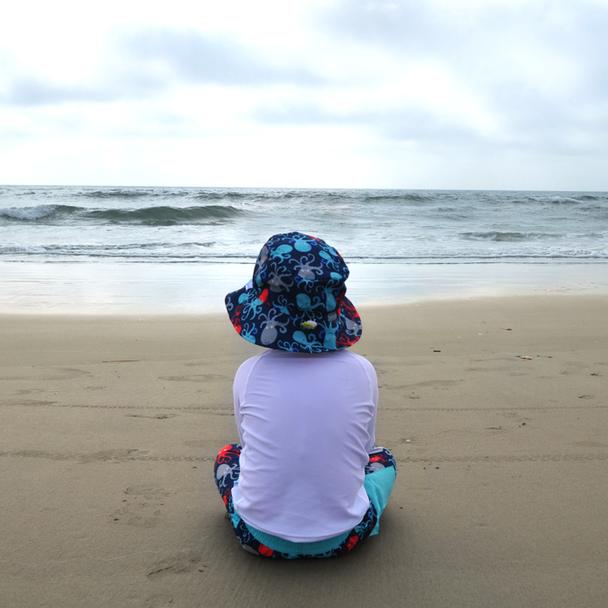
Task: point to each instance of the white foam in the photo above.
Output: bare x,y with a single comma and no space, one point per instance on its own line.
28,213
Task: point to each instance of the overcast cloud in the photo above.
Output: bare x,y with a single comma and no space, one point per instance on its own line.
434,94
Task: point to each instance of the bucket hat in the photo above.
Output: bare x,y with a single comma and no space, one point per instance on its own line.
296,299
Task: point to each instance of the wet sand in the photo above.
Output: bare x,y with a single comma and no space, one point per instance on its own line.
496,409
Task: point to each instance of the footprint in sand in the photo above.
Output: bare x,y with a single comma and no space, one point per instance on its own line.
159,600
590,444
185,561
119,454
141,506
58,373
153,417
120,361
146,491
195,443
193,377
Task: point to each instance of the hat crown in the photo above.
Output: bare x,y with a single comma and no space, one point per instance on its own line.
302,267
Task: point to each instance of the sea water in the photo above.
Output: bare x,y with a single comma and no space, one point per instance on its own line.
68,248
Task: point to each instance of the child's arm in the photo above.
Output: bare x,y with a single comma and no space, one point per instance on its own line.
237,406
373,379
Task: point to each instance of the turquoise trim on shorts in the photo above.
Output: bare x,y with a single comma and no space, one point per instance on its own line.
379,486
287,546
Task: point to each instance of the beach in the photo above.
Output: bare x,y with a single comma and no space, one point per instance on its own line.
185,185
496,409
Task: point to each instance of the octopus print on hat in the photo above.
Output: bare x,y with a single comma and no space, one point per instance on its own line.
296,300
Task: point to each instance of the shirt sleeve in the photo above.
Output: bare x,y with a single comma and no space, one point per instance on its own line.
372,383
373,380
236,392
239,387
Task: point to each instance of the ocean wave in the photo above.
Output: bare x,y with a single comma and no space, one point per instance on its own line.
85,247
496,235
457,258
28,193
37,212
165,215
544,199
524,200
275,196
117,193
407,197
220,196
203,194
564,200
161,252
151,216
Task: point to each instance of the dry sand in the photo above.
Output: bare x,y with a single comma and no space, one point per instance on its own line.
496,409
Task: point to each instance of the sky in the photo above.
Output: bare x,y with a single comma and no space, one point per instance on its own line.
466,94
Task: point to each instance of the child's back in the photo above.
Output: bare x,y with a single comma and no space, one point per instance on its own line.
306,424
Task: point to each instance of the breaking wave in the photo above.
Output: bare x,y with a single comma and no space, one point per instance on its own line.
163,215
495,235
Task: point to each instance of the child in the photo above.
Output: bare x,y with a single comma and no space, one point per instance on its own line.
305,479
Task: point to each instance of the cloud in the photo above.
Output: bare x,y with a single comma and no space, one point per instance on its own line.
145,63
31,92
533,74
114,82
297,112
385,83
544,46
400,124
411,26
195,57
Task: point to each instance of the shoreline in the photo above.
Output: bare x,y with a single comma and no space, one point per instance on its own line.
110,288
369,307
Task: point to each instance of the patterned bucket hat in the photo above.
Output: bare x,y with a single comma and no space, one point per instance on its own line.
296,299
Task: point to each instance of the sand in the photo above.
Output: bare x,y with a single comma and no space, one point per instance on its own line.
496,409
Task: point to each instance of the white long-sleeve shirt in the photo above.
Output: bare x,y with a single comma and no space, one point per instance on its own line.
306,423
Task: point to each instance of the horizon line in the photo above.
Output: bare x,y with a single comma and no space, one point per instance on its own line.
309,188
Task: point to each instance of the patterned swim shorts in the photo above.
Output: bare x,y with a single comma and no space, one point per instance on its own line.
226,473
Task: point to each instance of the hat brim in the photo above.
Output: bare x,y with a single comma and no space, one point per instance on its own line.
278,324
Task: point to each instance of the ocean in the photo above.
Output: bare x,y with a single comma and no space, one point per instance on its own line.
178,249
